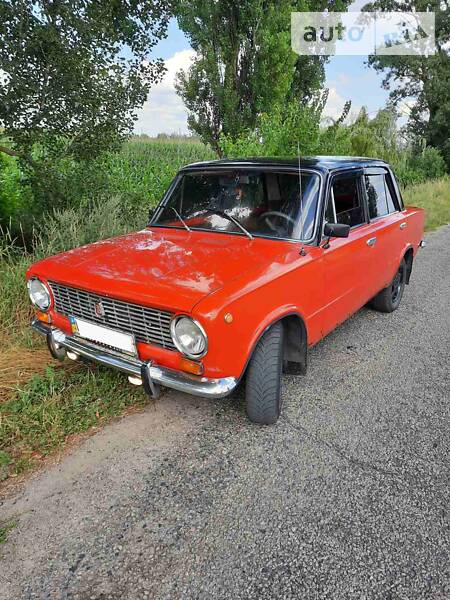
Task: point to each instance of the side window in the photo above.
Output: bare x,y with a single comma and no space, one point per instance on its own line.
392,201
344,204
395,191
380,196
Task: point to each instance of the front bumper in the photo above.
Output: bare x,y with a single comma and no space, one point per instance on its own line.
177,380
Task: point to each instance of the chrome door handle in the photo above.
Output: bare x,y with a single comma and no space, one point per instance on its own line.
403,225
372,241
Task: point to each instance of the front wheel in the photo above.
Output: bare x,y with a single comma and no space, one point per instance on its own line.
390,297
263,384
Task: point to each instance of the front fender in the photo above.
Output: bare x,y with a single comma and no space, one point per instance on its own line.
235,318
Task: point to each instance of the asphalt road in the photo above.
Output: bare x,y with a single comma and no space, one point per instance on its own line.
347,497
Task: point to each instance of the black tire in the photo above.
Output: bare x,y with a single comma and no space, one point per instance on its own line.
263,384
390,297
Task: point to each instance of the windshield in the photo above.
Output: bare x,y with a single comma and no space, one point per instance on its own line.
254,203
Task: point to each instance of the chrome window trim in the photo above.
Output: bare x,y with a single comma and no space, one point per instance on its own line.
333,205
375,219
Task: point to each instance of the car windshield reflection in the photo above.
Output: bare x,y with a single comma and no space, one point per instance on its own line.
252,203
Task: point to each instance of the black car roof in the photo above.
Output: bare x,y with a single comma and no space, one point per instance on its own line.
320,163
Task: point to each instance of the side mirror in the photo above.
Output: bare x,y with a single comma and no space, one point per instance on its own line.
338,230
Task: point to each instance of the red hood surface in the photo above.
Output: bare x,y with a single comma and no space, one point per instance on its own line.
164,268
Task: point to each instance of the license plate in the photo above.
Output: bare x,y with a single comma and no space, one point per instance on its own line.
103,335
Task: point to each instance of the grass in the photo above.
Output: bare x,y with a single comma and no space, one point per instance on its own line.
5,529
15,309
42,407
18,363
51,407
434,197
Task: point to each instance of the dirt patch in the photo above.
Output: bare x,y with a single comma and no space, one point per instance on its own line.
13,485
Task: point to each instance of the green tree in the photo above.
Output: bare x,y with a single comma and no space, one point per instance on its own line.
244,65
426,80
289,128
302,126
72,73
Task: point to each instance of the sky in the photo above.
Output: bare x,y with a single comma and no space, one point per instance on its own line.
347,78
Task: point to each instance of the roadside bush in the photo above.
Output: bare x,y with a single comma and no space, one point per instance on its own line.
15,308
27,195
79,225
15,193
429,163
278,134
413,166
139,174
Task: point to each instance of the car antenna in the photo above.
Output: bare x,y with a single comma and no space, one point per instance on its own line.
302,250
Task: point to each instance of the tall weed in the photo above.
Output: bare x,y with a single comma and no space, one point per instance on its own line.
79,225
15,309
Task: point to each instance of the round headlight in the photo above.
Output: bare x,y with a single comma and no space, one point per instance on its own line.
39,294
189,337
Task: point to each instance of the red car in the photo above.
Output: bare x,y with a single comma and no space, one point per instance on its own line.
244,266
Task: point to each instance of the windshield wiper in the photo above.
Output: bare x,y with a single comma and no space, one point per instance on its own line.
179,216
222,213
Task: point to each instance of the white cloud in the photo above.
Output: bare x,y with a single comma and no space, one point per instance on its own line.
164,111
335,105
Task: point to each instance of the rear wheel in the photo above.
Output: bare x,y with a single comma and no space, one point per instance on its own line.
263,383
390,297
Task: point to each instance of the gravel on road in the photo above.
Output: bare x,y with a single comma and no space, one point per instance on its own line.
347,497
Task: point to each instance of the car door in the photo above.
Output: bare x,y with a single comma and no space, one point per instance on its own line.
347,261
388,226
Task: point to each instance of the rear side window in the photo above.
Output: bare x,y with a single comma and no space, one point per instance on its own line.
380,197
344,204
392,201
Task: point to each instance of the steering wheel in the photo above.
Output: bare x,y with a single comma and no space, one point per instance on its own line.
275,213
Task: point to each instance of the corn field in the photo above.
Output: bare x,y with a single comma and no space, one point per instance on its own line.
144,169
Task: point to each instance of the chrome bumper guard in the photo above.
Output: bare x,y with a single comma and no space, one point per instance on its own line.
177,380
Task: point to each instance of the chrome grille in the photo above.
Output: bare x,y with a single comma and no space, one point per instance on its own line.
148,325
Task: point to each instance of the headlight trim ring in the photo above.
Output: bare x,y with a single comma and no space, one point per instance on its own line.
179,346
47,290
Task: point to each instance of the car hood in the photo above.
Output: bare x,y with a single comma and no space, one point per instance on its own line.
165,268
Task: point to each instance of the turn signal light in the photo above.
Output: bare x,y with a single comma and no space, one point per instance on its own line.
44,317
190,366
